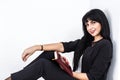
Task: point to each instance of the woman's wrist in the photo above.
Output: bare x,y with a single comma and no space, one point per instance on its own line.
39,47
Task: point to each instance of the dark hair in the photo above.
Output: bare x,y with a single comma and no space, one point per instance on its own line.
94,15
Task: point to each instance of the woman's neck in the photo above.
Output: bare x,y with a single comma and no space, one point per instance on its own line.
97,38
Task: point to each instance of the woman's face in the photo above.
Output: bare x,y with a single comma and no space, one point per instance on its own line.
93,28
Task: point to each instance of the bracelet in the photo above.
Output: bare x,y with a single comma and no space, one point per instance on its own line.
41,47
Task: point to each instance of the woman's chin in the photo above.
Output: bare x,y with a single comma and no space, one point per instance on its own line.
93,35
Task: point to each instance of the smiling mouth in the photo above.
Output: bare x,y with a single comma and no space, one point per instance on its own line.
92,31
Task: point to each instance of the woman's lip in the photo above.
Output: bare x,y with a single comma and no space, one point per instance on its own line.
92,32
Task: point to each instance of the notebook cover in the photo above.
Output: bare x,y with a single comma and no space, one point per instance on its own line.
62,63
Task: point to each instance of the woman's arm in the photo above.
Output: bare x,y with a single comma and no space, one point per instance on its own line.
80,76
54,46
46,47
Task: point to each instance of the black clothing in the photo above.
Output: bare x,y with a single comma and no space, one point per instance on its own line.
44,67
96,57
95,63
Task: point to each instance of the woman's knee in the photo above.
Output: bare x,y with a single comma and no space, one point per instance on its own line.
44,61
47,64
47,55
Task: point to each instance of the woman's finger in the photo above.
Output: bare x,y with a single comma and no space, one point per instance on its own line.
24,56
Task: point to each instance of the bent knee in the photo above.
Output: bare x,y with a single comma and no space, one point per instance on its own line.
47,62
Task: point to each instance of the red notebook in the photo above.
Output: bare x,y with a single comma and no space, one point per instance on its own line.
62,63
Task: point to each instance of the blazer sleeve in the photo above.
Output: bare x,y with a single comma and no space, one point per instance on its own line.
101,63
70,46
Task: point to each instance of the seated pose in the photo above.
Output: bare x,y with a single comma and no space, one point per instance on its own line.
93,51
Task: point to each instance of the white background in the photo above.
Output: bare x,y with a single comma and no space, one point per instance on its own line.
111,8
24,23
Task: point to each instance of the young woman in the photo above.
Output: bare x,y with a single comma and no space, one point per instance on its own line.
95,47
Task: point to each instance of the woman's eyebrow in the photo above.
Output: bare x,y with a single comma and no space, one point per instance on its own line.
88,21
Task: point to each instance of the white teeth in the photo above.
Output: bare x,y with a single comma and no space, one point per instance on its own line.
92,29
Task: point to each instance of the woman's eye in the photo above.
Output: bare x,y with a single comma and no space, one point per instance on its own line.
87,25
93,22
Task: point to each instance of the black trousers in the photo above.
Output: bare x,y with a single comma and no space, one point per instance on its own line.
44,67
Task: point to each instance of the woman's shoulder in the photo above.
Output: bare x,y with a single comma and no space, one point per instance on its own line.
104,42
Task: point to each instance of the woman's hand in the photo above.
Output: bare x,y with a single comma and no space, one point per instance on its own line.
28,52
65,59
80,76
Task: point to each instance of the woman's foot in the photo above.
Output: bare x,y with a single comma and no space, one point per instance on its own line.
9,78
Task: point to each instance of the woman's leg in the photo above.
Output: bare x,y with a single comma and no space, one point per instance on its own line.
42,68
31,72
46,54
54,72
